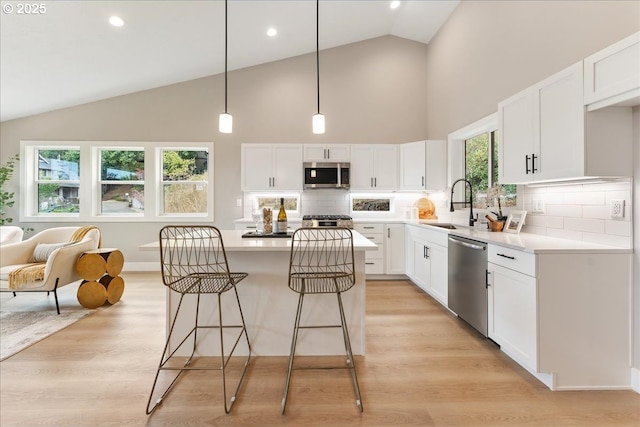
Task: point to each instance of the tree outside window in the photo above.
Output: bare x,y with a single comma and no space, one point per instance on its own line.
481,170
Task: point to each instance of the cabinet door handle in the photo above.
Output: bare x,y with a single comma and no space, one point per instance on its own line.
389,233
506,256
428,252
328,153
368,227
423,181
526,164
486,278
369,263
533,163
372,182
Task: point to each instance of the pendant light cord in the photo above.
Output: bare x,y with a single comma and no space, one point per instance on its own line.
318,50
225,56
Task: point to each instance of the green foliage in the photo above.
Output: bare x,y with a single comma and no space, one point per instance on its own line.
127,160
176,167
6,198
477,164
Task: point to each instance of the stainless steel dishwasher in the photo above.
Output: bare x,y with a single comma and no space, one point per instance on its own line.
468,281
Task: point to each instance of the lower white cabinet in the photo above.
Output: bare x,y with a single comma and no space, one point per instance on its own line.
426,261
512,314
564,316
374,260
395,249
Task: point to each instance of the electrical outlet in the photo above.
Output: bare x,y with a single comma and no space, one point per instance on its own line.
238,203
537,206
617,208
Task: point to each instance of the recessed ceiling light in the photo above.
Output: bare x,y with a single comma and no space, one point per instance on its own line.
116,21
395,4
271,32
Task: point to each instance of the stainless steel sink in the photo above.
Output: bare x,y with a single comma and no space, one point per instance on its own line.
447,226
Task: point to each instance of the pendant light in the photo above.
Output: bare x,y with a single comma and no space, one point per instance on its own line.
226,120
318,119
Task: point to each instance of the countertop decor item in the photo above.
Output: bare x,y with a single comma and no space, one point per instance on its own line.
515,221
494,225
426,208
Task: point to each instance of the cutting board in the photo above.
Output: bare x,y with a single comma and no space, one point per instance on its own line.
426,208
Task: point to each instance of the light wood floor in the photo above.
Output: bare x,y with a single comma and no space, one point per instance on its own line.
423,367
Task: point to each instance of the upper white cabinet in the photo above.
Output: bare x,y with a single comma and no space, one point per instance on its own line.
374,167
612,76
326,152
423,165
548,135
271,167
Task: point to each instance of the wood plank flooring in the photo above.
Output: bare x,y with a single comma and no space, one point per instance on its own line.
423,367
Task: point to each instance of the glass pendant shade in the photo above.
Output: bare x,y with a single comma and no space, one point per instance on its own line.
226,123
318,123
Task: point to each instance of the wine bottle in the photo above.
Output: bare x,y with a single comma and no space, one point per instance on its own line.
281,224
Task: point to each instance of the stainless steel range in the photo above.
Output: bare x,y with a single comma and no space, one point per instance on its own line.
327,221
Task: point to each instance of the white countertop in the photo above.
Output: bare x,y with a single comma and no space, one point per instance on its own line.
234,242
533,243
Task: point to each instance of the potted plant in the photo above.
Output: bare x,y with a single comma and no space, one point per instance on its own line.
6,197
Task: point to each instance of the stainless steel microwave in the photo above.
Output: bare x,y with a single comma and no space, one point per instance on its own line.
326,175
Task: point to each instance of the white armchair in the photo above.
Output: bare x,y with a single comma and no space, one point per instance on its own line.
58,261
10,234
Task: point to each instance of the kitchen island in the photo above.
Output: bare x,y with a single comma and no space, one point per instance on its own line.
269,306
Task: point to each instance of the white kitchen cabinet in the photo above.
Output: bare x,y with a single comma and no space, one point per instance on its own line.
612,75
423,165
374,167
427,261
326,152
546,134
271,167
512,314
374,262
395,249
562,316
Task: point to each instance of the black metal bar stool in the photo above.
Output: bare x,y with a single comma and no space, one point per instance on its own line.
194,261
322,262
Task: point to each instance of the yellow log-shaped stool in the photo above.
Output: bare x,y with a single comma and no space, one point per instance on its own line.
114,287
91,294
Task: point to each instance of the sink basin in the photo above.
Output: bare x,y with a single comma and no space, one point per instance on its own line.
447,226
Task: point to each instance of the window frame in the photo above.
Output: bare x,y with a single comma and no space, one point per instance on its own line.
456,153
90,196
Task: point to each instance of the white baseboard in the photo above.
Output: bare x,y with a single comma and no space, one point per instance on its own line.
132,267
635,379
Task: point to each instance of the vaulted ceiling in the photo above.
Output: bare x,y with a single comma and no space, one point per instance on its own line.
68,54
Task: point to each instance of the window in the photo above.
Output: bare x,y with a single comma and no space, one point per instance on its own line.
481,170
110,181
57,180
184,181
290,203
122,181
473,154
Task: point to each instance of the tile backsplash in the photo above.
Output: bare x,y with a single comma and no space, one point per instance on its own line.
581,212
575,211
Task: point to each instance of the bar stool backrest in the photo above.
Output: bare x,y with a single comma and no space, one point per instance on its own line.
188,251
322,260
